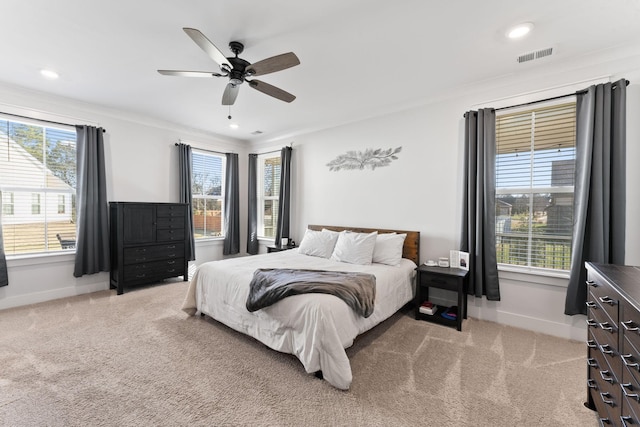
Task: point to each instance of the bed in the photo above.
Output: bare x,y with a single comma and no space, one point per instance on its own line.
316,328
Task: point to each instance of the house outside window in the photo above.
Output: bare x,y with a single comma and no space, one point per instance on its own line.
535,165
268,194
37,165
207,187
8,207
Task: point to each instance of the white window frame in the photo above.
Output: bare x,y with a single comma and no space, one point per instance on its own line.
206,197
262,199
531,191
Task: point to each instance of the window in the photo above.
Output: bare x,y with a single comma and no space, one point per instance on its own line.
37,168
535,164
207,188
268,194
62,205
7,204
35,203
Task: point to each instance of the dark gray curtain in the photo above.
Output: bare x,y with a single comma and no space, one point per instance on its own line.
252,227
478,211
284,201
600,188
4,277
185,161
92,241
231,207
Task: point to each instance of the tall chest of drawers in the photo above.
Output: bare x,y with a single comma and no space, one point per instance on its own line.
613,343
148,242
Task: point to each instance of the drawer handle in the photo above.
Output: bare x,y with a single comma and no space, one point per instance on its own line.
141,259
607,300
624,419
171,247
627,363
141,250
592,362
605,399
605,349
591,322
592,283
606,375
140,276
171,255
629,395
591,304
627,326
591,344
591,383
171,271
170,262
606,326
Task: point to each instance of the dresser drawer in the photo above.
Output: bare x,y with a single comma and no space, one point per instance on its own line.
170,234
170,211
631,397
154,270
153,253
606,297
171,222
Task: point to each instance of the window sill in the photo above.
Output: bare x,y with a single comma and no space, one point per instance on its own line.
209,241
36,259
540,276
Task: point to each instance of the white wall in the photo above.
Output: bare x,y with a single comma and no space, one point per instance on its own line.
420,191
141,165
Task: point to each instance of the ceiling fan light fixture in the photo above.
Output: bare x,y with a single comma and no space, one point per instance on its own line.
234,126
49,74
520,30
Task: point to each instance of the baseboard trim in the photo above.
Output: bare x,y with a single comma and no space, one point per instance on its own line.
37,297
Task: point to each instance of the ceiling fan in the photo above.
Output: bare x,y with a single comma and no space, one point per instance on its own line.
237,69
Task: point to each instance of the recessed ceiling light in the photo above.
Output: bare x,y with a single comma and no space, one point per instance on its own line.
234,126
520,30
49,74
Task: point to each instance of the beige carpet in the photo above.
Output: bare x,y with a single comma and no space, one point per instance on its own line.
137,360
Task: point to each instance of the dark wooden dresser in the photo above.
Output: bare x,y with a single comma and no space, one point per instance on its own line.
148,242
613,343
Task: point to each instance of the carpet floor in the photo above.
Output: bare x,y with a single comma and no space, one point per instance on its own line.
137,360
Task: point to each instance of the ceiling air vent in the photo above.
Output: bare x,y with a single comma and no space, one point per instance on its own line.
535,55
256,132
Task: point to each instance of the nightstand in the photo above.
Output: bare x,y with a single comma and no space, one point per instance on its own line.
452,279
275,248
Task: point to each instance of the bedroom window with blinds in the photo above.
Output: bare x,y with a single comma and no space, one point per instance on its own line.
38,184
207,188
268,194
535,164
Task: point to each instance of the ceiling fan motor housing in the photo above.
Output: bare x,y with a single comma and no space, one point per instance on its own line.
237,73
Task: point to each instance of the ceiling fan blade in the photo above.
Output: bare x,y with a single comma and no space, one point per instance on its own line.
206,45
271,90
189,73
273,64
230,94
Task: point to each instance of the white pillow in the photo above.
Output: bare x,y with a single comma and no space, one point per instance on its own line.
388,249
355,248
317,243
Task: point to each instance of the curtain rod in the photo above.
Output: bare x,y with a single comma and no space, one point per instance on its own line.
203,149
548,99
40,120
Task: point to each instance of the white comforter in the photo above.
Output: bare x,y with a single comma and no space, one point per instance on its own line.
316,328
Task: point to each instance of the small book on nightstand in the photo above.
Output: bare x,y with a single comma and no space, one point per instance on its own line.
428,307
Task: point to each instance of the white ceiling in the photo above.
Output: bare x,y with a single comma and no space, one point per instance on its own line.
359,58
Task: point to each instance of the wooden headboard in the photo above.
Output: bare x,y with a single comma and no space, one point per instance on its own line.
410,250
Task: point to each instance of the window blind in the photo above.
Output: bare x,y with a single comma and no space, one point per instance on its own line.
535,167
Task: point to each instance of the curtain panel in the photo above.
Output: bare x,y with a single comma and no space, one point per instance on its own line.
231,207
252,226
600,186
92,245
4,276
478,210
185,163
284,200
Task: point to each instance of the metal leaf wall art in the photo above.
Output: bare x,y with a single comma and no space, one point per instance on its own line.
369,158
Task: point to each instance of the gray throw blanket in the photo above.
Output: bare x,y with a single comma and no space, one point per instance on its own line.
270,285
